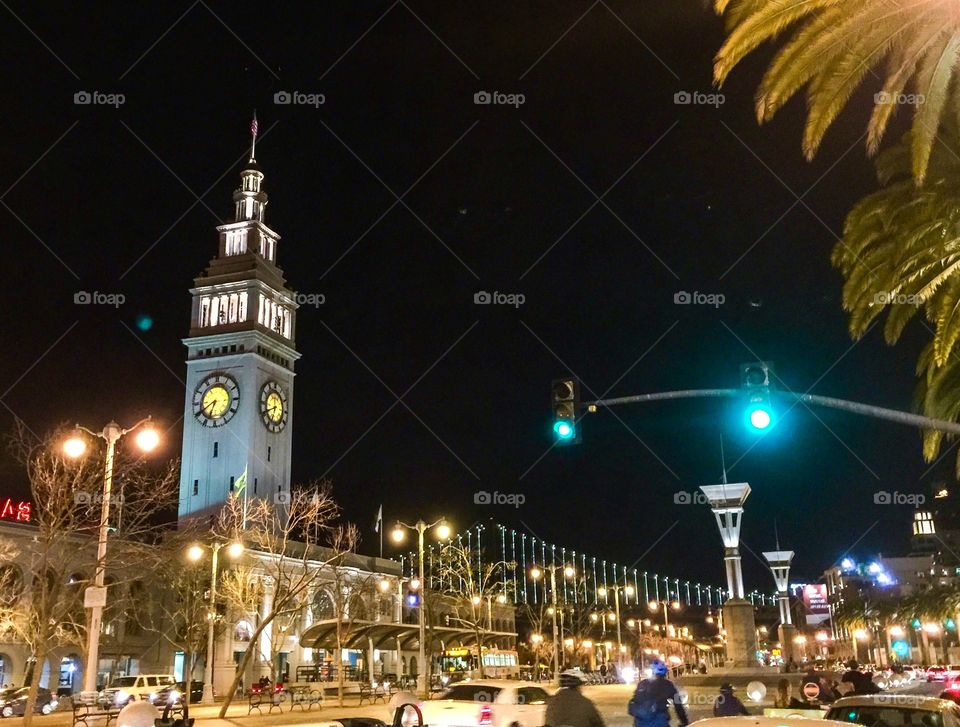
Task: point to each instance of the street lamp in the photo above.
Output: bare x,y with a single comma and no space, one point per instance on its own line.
657,605
442,533
536,573
75,447
602,593
195,553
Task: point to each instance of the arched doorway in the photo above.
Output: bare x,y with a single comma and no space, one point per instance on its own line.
6,670
69,679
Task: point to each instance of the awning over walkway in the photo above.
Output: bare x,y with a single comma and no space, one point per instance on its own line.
323,635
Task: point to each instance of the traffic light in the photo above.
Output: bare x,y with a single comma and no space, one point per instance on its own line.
755,380
565,401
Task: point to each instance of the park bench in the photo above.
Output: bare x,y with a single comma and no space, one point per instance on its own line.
85,713
372,694
272,700
305,696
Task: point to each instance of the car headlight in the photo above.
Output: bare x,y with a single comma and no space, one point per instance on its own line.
174,695
122,696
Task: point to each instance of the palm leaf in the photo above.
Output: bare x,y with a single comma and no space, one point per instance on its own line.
933,79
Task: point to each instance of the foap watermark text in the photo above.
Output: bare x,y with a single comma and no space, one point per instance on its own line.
482,297
682,297
482,497
898,498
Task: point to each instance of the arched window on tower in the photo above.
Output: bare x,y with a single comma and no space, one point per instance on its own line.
223,309
923,523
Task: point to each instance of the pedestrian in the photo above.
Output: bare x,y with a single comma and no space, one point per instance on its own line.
785,698
727,705
651,701
568,707
862,683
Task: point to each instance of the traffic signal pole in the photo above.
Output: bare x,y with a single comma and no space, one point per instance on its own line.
854,407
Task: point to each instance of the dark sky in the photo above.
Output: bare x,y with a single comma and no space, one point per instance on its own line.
502,198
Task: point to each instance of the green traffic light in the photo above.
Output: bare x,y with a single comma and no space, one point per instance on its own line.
759,418
563,429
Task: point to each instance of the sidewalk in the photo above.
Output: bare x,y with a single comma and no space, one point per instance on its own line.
208,716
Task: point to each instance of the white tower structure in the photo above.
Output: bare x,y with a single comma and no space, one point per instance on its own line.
238,408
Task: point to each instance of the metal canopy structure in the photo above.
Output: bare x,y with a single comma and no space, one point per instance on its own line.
385,635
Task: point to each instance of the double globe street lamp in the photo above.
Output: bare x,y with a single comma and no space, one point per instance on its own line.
195,553
95,596
536,573
602,593
398,535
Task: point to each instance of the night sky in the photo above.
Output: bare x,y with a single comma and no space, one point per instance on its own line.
496,198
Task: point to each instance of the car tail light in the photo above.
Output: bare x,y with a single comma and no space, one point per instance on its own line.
486,715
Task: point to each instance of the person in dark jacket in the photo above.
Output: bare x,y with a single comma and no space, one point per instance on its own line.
651,701
727,705
568,707
862,683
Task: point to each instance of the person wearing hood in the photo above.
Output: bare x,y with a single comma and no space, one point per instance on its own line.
569,707
727,705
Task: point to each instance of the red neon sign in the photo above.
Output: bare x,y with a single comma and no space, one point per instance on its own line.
11,509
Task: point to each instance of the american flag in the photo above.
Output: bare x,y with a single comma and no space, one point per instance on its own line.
253,126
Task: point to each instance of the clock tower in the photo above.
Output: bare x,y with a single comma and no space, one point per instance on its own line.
238,409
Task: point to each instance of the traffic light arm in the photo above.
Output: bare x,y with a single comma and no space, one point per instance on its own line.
854,407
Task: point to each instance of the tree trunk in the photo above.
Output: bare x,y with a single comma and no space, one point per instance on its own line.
40,655
479,650
242,666
188,674
338,660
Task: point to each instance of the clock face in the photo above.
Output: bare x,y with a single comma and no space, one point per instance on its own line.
273,406
216,399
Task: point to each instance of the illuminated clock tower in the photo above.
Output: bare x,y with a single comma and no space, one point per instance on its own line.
238,410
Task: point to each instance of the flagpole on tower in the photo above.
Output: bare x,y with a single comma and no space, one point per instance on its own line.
253,135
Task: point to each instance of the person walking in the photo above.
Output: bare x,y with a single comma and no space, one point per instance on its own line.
569,707
727,705
651,701
862,683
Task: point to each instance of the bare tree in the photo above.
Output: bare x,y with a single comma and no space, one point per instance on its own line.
350,592
180,610
61,557
283,547
539,645
474,584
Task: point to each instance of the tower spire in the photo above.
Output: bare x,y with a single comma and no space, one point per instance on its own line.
253,137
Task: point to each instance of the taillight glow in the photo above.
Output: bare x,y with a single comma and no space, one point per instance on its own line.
486,715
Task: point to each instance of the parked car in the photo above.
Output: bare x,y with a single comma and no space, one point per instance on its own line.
175,692
493,702
894,709
124,690
13,702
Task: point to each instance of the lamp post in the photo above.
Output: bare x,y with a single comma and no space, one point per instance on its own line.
95,596
665,605
398,535
602,592
195,553
537,572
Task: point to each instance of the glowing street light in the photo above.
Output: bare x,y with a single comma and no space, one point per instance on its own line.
397,535
74,447
537,573
196,552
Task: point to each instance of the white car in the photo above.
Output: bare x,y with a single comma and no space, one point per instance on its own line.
488,703
143,687
765,722
895,709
